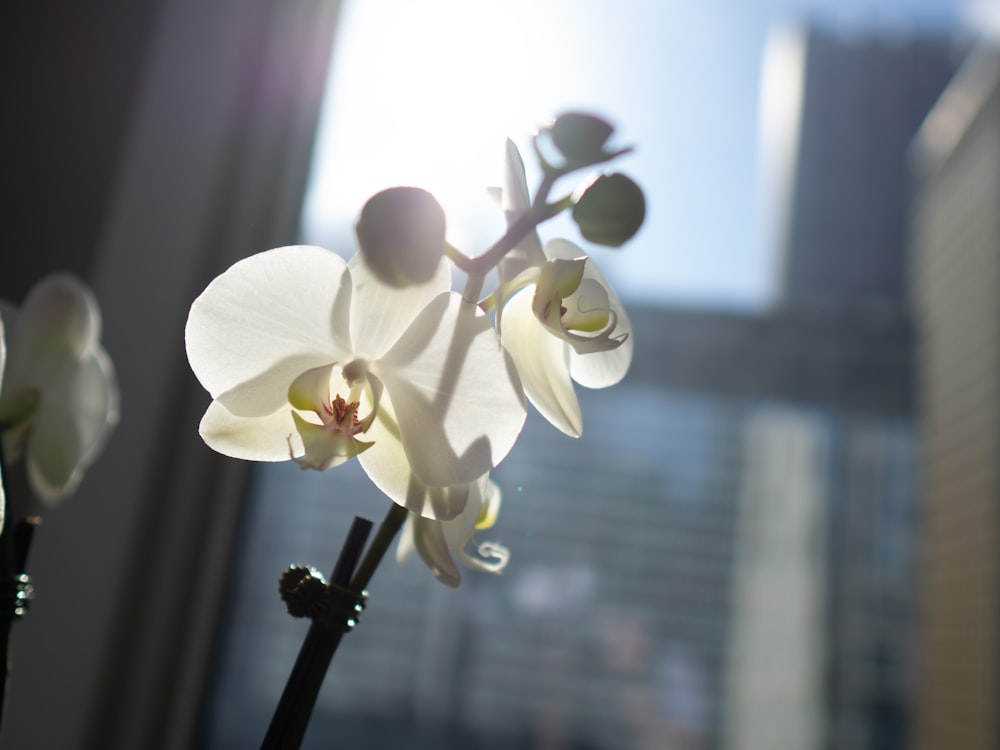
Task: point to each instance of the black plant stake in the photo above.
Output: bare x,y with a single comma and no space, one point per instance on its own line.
334,609
16,591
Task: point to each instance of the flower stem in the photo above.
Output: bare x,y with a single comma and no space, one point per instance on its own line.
541,211
15,542
295,707
387,531
291,717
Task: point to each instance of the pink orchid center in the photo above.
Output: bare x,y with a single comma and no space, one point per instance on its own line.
332,441
341,417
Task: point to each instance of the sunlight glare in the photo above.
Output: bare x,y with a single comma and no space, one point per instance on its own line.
424,94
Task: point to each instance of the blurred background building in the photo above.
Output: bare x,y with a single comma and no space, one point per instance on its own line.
863,98
956,238
846,255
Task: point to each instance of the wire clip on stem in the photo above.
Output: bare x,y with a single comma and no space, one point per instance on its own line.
306,593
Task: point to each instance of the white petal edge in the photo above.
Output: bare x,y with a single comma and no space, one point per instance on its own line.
285,304
542,361
74,420
428,538
515,202
598,369
54,453
268,438
58,325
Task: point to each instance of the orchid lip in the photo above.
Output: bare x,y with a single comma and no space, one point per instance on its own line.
333,440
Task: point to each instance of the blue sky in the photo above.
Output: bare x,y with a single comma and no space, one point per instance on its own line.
424,94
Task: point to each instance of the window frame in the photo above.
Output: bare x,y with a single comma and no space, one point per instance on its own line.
131,572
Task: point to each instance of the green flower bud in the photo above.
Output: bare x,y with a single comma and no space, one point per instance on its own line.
401,233
610,211
580,137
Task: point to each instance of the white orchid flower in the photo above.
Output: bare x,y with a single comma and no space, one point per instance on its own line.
559,318
435,541
59,400
311,358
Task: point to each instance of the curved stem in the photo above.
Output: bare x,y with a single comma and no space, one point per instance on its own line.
540,212
473,287
387,531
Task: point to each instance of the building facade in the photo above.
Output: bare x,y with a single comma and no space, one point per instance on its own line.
862,100
956,286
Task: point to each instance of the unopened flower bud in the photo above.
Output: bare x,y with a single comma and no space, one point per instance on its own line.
401,233
610,211
580,137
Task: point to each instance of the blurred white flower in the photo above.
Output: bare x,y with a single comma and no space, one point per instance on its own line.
559,318
312,358
59,399
435,541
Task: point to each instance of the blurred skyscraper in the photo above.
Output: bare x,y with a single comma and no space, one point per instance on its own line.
862,101
844,251
956,231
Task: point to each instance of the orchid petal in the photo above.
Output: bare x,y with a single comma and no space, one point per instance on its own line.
323,449
600,369
428,538
515,199
406,546
381,313
310,391
543,364
267,391
515,202
558,279
456,396
491,497
599,363
375,389
271,437
73,421
460,529
492,557
481,512
279,306
436,540
58,325
388,468
587,308
54,453
92,393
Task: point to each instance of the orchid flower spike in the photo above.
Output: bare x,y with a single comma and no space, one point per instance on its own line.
314,359
559,318
59,400
436,541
